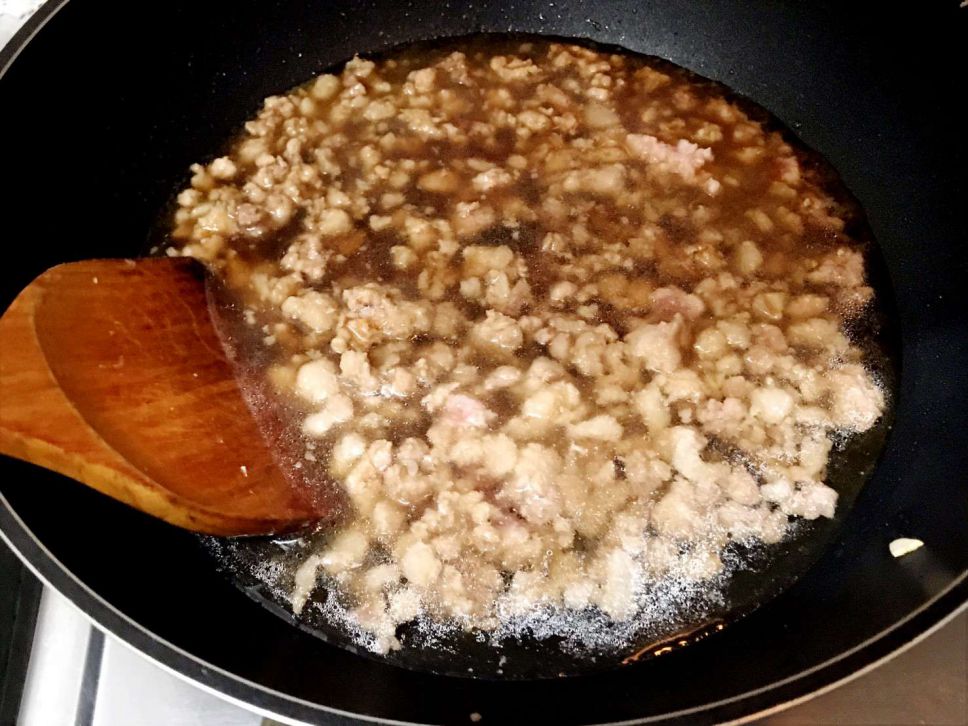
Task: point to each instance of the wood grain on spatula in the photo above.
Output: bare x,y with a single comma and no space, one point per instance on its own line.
112,373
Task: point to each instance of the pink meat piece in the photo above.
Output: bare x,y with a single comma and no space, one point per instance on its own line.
463,410
668,301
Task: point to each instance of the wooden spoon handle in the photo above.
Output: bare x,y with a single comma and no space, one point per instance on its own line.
112,374
40,425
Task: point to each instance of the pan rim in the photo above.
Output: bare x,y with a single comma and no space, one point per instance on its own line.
34,24
43,564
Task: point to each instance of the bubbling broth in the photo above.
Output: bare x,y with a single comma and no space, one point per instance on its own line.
568,327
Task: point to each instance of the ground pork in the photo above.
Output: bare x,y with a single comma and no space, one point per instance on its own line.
553,339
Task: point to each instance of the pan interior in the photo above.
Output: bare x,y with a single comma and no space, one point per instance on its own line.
679,613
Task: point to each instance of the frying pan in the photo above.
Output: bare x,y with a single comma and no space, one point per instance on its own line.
104,107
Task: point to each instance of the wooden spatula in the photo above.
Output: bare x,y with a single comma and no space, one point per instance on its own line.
112,372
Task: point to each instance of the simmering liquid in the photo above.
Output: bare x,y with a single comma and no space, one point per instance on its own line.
570,329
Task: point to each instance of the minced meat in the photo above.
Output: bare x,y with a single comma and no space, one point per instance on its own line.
524,300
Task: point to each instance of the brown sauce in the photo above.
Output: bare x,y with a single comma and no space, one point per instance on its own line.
565,324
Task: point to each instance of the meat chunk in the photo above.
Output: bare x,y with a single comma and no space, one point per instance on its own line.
316,381
531,487
683,158
857,402
667,302
606,181
461,410
657,345
601,428
497,332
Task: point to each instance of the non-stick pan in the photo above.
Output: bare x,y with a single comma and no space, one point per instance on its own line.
104,106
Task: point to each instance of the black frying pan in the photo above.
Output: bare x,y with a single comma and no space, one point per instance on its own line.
106,107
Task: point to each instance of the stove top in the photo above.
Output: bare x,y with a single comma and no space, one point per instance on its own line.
20,597
56,668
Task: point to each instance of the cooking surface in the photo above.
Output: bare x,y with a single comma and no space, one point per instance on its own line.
925,685
507,424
